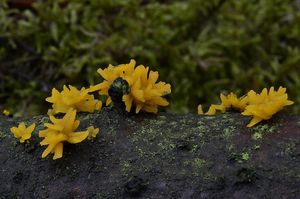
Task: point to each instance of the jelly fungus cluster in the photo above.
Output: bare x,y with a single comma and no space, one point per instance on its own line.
125,83
261,106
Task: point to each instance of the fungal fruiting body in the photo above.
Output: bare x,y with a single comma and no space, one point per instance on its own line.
232,101
93,132
227,102
6,112
21,132
71,97
139,88
261,106
61,130
264,105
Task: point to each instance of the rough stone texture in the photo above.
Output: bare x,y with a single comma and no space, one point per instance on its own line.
158,156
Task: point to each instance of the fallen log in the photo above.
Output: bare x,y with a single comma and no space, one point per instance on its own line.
158,156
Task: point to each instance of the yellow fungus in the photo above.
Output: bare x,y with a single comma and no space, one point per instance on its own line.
144,92
93,132
264,105
71,97
6,112
21,132
227,102
261,106
200,110
232,101
61,130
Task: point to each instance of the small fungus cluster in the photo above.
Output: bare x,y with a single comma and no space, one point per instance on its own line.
6,112
71,97
124,83
22,132
261,106
59,131
141,87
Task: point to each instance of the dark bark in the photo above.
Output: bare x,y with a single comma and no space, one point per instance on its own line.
158,156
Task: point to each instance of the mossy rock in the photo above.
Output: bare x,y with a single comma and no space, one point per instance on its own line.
158,156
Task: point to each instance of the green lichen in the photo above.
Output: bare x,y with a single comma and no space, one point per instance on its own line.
257,136
165,147
195,148
230,147
159,121
197,165
290,148
126,168
228,132
239,157
201,128
260,130
2,135
245,156
140,151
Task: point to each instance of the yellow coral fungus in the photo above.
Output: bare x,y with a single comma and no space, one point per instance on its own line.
262,106
200,110
71,97
232,101
6,112
93,132
60,131
21,132
143,91
229,101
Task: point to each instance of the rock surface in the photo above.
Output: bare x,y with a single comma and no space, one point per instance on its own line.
158,156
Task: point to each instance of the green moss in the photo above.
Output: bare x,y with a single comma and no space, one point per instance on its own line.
226,54
290,148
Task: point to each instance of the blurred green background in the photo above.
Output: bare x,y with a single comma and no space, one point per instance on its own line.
201,47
